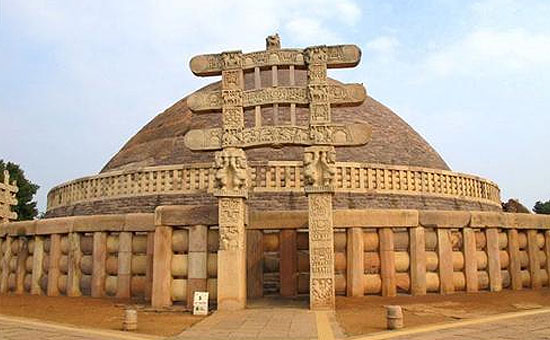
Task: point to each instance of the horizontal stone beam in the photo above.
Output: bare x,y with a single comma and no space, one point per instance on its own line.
337,135
369,218
375,218
92,223
509,220
338,56
182,215
337,94
449,219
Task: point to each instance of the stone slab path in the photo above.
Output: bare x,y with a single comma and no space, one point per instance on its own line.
268,324
295,324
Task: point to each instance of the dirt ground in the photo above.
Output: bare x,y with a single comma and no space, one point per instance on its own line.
94,313
356,315
367,314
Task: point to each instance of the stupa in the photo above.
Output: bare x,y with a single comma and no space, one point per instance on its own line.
396,168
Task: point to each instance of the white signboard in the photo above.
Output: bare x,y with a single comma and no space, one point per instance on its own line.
200,303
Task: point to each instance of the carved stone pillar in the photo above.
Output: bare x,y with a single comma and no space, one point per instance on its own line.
318,176
232,254
231,177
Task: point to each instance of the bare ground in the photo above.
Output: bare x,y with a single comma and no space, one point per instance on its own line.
367,314
94,313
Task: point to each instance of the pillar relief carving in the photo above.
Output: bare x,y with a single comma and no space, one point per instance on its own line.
232,221
230,173
319,167
321,251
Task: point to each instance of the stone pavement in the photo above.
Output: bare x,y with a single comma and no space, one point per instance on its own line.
528,325
296,324
268,324
13,328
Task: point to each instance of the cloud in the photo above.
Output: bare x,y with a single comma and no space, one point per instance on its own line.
385,45
489,52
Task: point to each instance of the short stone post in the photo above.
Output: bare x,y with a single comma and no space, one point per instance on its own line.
124,265
288,263
4,278
493,260
445,254
515,260
255,263
21,265
534,260
37,265
355,263
162,275
74,272
149,266
470,259
196,277
99,254
387,262
418,261
53,264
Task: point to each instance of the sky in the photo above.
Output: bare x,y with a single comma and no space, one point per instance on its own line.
79,78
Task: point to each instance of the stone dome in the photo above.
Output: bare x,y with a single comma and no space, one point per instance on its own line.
160,142
397,168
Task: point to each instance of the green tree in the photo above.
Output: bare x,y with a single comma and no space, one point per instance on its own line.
26,207
542,207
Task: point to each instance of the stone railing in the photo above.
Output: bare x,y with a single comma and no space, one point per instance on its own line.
167,256
279,177
104,256
385,252
7,198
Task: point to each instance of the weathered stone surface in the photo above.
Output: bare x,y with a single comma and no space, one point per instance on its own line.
160,142
186,215
451,219
376,218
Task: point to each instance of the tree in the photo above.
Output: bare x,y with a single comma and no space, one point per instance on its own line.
542,207
26,207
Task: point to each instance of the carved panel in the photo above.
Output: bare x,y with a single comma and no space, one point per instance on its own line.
316,55
232,98
232,80
230,170
317,73
336,56
322,293
335,94
338,135
321,250
233,117
231,60
320,113
319,166
231,223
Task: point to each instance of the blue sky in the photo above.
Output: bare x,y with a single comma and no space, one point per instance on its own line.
79,78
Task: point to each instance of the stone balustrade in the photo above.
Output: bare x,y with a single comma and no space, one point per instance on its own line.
98,256
168,255
276,177
385,252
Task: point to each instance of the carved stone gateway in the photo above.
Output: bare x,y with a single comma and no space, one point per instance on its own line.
7,198
320,136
